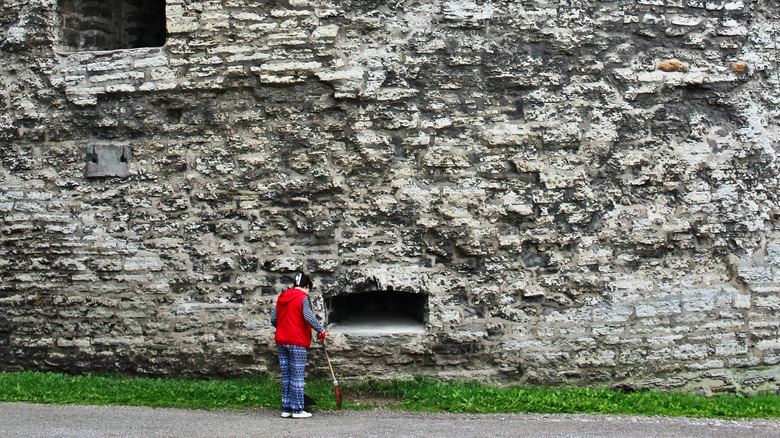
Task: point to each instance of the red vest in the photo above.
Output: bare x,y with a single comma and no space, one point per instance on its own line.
291,328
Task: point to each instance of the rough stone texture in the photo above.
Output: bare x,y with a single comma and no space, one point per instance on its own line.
586,192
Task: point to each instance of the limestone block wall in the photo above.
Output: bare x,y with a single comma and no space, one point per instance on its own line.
584,192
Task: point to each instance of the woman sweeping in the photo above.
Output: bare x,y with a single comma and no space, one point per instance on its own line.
294,320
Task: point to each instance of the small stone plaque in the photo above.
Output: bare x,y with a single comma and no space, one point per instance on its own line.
108,159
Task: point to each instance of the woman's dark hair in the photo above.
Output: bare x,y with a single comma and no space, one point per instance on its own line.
303,280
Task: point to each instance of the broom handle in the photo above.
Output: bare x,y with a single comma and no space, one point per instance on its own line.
325,350
335,382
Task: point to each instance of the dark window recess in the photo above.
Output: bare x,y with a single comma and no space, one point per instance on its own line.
383,311
111,24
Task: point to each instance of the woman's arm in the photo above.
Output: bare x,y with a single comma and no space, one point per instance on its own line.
309,316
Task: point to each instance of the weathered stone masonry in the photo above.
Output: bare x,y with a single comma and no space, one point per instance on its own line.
570,192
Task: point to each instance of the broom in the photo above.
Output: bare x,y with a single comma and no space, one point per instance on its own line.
336,388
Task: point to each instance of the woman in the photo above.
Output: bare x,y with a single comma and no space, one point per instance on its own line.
294,320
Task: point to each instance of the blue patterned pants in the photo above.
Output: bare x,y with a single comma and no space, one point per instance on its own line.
292,361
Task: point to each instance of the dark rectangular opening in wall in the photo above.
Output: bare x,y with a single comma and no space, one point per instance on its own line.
111,24
378,312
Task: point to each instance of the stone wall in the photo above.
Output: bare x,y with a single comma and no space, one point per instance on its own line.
584,192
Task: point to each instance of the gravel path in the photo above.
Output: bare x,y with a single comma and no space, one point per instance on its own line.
29,420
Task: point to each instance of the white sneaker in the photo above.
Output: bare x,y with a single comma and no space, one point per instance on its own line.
302,414
286,414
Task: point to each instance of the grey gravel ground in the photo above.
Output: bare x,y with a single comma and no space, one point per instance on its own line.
28,420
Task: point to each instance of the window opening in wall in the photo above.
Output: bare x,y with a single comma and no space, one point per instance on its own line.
111,24
377,312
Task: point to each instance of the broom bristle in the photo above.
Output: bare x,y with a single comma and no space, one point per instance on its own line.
337,390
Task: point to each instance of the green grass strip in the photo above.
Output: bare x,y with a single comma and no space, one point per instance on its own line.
53,388
472,397
421,394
